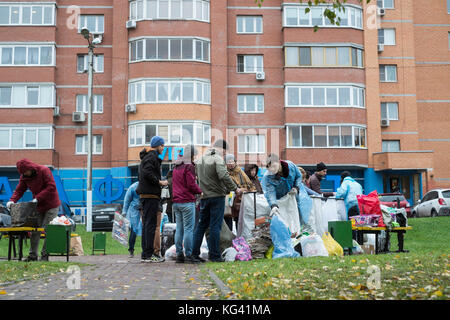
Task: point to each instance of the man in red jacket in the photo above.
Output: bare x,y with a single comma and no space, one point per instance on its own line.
39,180
185,189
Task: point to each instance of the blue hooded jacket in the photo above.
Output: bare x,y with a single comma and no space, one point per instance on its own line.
275,187
348,191
131,207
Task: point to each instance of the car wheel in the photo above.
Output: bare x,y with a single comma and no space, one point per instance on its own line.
433,213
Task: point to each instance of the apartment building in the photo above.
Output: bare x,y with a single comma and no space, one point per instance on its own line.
371,99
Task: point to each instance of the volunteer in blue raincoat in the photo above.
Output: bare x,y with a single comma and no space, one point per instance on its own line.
283,177
348,191
132,211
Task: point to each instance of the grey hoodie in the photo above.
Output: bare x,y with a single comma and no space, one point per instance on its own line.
213,176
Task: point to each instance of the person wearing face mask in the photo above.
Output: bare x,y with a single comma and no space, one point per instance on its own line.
314,181
40,181
281,178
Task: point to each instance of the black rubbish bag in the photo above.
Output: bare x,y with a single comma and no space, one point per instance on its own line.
24,214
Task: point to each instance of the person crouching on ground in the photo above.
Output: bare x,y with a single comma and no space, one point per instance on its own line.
149,190
215,183
283,177
185,189
40,181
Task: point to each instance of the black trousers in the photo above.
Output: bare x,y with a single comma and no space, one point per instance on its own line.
150,209
353,211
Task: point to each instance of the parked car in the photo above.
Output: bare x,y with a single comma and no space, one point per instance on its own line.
395,200
103,216
436,202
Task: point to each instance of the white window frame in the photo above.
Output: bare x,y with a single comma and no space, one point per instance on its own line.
354,101
387,145
246,57
97,17
254,22
244,96
137,91
385,66
96,106
206,132
244,149
384,6
359,57
14,46
384,36
388,106
361,128
84,144
351,11
203,9
24,130
29,5
24,87
96,63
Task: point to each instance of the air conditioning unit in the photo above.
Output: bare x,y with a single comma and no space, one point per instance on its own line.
385,122
78,116
130,108
381,11
380,47
261,75
131,24
56,111
97,38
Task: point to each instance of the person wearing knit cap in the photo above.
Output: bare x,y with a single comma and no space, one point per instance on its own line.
149,190
314,181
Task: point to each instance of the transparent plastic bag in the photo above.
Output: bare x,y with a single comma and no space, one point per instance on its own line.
281,239
312,246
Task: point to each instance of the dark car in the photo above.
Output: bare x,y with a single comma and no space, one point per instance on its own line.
395,200
103,216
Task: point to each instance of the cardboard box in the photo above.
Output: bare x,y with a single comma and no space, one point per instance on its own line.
368,248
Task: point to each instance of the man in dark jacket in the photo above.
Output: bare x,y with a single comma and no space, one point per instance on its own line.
39,180
149,190
314,181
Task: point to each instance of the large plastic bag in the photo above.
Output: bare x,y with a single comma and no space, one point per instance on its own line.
325,210
246,222
61,221
120,229
229,254
243,249
281,239
312,246
369,204
289,213
332,246
171,253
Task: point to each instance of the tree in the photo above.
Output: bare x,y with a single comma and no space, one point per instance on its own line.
330,13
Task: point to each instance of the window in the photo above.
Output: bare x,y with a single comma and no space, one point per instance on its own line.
323,56
94,23
169,49
26,137
22,95
386,37
83,63
81,146
173,134
251,143
249,24
169,10
250,103
449,40
388,73
295,16
389,110
326,136
250,63
386,4
326,96
26,15
83,103
448,6
26,55
391,145
171,91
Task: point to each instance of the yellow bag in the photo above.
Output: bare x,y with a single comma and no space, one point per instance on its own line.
333,247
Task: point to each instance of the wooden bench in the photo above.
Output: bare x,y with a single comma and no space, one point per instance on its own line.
377,230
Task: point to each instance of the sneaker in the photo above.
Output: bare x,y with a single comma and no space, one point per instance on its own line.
198,258
31,258
145,259
131,254
180,259
191,259
44,257
156,259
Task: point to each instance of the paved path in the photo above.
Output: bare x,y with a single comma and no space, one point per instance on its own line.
117,277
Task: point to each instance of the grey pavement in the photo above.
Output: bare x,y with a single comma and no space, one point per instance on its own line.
117,277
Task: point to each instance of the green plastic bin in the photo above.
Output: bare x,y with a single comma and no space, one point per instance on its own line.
341,231
99,242
57,241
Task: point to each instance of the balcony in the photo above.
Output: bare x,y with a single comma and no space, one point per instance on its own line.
403,160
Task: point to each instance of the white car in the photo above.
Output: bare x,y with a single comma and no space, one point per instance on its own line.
435,203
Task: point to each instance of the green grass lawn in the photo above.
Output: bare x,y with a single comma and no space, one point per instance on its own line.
423,273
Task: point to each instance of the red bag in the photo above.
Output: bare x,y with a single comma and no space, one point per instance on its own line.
369,204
